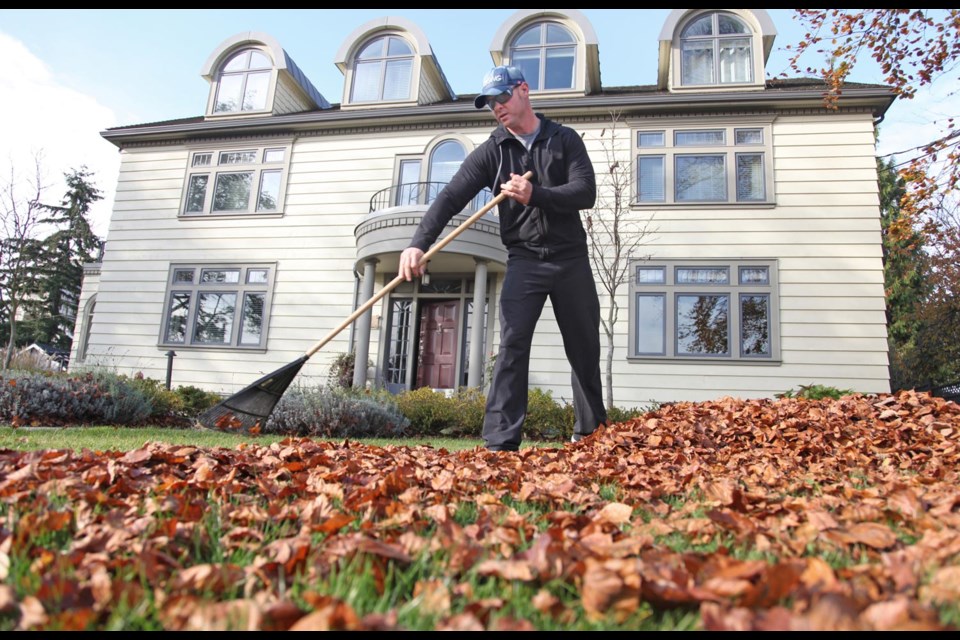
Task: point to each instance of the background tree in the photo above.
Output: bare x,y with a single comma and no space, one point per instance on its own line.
615,233
937,359
904,275
71,244
915,48
21,252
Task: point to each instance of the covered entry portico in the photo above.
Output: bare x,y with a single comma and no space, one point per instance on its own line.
434,331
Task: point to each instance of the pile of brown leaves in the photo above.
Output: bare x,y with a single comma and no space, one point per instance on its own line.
870,478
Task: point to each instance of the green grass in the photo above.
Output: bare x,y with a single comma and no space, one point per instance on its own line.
127,439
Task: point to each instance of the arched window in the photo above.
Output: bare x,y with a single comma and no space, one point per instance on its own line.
244,82
87,324
445,159
546,52
716,48
383,70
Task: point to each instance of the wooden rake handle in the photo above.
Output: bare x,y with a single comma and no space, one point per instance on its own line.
400,279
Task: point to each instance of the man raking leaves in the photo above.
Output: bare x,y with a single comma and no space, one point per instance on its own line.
547,253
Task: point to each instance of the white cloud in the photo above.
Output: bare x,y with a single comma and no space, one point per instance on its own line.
41,116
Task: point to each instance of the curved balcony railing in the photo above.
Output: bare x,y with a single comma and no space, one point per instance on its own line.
413,193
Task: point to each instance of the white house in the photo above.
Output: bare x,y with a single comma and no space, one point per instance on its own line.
241,237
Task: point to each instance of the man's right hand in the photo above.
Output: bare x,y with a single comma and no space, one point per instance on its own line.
410,263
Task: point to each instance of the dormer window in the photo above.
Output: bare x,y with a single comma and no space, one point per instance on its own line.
244,83
546,52
716,48
383,70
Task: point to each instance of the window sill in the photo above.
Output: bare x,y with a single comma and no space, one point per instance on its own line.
703,205
700,360
227,216
224,348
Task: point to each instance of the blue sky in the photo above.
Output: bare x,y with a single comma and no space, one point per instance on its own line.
76,72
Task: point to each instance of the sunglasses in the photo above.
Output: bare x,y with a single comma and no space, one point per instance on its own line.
500,98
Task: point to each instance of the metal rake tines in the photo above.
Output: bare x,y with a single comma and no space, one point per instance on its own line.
224,418
247,410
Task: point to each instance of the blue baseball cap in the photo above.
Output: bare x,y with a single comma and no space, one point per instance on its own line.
498,80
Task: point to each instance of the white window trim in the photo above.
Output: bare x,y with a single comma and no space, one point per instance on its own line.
415,72
730,149
425,157
670,290
578,57
271,88
756,45
258,168
196,287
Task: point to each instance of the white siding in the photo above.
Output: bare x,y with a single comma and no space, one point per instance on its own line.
825,234
823,231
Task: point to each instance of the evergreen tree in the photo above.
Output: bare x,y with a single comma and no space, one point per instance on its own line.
904,276
67,249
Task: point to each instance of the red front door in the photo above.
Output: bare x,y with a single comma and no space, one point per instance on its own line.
438,345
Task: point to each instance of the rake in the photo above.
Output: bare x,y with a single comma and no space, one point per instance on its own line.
247,410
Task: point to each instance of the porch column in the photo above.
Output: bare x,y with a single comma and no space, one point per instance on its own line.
475,373
363,325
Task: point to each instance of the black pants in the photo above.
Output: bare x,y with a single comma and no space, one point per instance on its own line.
573,293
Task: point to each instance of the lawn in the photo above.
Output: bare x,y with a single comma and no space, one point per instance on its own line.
787,514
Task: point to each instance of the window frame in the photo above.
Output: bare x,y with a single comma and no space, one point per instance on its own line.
734,148
669,290
244,76
384,61
243,289
715,41
213,170
543,50
425,169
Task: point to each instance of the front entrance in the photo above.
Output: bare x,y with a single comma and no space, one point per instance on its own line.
437,367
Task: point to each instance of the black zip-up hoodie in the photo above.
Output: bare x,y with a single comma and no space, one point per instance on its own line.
564,183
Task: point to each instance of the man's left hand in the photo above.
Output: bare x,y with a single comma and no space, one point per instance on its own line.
517,188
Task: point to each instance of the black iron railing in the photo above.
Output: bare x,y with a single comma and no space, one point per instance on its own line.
413,193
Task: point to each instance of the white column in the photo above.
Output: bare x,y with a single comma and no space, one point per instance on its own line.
363,325
475,373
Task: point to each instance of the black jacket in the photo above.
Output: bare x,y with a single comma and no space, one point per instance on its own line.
549,228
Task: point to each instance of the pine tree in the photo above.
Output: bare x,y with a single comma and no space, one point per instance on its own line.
67,249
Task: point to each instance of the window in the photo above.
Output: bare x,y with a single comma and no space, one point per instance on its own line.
716,48
88,314
217,306
383,70
249,180
546,53
724,165
244,83
445,160
422,177
697,309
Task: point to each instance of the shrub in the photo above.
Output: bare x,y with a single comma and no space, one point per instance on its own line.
815,392
469,407
429,412
195,400
341,370
63,400
337,413
546,418
616,415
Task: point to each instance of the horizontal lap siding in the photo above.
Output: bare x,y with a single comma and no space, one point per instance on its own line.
329,185
824,233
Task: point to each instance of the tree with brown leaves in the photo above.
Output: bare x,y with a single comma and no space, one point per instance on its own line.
915,48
